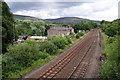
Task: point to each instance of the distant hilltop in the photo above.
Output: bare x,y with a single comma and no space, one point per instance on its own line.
70,20
25,18
62,20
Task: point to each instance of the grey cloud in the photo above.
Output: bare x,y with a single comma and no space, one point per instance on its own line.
97,10
19,6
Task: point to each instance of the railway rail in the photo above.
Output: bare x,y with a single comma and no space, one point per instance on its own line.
81,68
76,61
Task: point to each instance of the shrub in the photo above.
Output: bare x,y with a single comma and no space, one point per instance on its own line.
42,55
48,47
68,39
110,70
22,56
19,57
23,53
30,41
59,51
110,40
111,67
59,41
72,35
79,35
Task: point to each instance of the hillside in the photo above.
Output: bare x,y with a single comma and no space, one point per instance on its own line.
25,18
69,20
62,20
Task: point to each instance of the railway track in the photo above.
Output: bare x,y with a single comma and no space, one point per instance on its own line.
81,68
83,62
86,47
81,53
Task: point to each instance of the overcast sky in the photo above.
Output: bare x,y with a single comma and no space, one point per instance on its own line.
90,9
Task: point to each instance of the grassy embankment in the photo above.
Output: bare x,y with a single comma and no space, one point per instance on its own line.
110,67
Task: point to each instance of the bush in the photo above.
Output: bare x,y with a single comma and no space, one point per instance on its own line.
59,41
110,40
59,51
48,47
22,56
72,35
69,39
19,57
79,35
30,41
110,70
43,55
23,53
111,67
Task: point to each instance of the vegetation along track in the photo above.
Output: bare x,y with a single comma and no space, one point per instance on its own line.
74,64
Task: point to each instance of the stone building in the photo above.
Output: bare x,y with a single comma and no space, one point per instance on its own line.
60,31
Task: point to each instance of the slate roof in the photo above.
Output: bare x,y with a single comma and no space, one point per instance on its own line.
61,28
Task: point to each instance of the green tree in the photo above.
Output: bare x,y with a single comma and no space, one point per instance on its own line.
22,28
84,26
111,28
47,26
38,27
7,26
